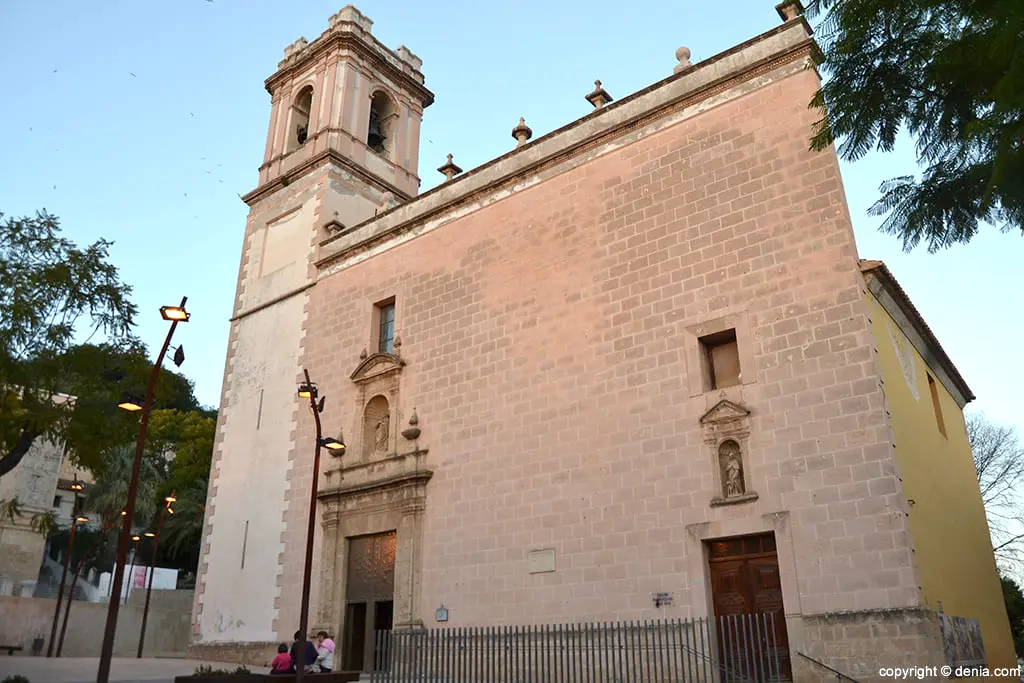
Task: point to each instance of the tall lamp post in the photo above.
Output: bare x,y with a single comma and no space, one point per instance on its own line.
76,486
175,315
308,390
152,567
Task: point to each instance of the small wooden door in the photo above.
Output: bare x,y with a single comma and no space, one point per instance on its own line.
744,581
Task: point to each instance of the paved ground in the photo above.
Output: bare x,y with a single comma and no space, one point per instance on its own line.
83,669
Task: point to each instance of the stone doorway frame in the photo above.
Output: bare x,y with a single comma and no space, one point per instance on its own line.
394,503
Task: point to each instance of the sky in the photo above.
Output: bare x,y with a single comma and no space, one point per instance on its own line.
144,122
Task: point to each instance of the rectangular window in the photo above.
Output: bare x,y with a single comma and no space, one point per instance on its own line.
721,360
56,501
933,389
386,327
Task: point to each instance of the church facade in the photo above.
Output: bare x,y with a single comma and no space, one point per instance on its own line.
637,356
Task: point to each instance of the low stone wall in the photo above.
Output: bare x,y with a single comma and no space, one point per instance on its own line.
167,629
860,644
252,654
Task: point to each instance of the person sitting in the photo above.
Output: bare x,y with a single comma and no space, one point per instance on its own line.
310,654
324,652
282,663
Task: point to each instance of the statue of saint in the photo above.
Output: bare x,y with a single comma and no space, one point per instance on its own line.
381,441
732,469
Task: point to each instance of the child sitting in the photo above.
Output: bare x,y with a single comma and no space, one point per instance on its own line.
282,663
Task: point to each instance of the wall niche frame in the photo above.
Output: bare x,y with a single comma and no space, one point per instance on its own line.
726,432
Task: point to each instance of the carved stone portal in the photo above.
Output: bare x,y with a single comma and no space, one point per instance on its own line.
726,430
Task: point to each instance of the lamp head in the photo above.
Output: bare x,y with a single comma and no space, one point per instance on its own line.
131,403
149,534
308,391
171,498
179,356
174,314
81,519
136,538
333,444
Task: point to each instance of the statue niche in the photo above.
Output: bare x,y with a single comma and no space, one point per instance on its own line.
376,428
730,460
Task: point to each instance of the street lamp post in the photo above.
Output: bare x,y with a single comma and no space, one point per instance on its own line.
174,314
152,567
309,390
74,582
76,486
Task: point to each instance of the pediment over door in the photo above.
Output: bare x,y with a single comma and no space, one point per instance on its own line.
377,366
724,411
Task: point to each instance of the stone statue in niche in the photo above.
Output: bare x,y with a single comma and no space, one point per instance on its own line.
731,462
381,434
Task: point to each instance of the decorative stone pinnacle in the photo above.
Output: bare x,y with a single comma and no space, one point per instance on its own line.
683,55
413,431
789,9
522,132
599,97
363,355
450,170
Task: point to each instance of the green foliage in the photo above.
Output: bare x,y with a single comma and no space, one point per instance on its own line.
108,494
17,678
43,523
205,670
190,437
49,289
952,75
1014,599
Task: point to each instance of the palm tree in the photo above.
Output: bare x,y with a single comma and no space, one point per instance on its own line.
183,531
108,495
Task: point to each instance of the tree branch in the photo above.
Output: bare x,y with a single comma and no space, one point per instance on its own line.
9,461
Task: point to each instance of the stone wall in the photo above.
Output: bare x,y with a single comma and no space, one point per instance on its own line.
860,644
21,550
167,629
240,652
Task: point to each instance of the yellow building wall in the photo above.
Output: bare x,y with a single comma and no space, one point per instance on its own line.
953,549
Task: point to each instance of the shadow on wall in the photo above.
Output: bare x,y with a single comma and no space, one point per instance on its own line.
22,620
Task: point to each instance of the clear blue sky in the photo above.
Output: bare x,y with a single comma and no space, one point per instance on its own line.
142,122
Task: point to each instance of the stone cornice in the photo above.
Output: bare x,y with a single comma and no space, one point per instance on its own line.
404,480
336,40
330,156
755,58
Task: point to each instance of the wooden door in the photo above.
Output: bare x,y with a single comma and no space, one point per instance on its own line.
745,581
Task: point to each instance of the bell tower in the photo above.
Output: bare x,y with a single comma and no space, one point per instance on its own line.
342,145
348,96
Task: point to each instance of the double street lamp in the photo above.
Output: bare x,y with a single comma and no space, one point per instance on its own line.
152,565
308,390
174,315
74,580
77,486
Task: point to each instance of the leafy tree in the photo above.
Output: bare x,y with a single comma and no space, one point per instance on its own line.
49,288
190,436
1014,599
952,74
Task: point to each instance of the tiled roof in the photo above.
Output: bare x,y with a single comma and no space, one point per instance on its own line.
885,276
